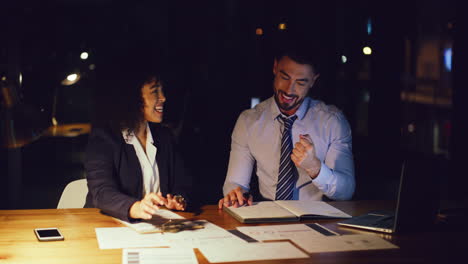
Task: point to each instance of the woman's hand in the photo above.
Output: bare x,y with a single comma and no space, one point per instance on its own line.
148,206
175,202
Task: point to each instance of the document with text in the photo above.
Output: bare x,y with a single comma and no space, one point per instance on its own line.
159,256
278,232
125,237
341,243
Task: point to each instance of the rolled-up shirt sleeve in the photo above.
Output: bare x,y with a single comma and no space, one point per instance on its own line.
336,178
241,160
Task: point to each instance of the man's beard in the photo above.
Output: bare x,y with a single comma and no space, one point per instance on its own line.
285,106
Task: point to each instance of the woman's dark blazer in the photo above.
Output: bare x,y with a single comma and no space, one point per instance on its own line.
114,173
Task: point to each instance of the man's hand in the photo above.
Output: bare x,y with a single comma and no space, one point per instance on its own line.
148,206
235,198
303,156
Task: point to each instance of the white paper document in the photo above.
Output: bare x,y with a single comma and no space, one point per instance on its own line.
341,243
152,226
210,234
234,252
159,256
125,237
277,232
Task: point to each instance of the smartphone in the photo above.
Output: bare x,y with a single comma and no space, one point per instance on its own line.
48,234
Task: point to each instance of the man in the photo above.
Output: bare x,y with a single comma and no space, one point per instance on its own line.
301,147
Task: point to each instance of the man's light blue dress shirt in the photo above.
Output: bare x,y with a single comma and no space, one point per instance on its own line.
257,138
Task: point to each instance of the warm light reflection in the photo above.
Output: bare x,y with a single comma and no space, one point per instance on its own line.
282,26
259,31
71,79
367,50
84,55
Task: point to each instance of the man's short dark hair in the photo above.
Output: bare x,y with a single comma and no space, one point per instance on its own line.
300,52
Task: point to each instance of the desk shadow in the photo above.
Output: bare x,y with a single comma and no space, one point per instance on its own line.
195,208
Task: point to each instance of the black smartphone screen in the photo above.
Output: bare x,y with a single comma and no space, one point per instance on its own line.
48,233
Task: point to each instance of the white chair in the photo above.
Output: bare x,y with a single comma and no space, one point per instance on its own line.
74,195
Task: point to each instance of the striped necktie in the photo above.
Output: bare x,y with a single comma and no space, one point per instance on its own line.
287,169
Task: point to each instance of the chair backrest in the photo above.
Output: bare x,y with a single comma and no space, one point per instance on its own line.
74,195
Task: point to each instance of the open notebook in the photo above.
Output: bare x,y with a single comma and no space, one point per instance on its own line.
283,211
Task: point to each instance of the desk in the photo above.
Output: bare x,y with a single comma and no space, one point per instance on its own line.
18,243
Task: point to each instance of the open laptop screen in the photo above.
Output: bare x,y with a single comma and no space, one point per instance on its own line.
417,202
418,194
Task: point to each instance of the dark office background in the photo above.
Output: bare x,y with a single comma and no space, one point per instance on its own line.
405,98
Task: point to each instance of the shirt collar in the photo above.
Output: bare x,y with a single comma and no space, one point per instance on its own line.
129,137
149,136
301,111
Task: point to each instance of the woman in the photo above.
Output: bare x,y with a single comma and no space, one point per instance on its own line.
131,162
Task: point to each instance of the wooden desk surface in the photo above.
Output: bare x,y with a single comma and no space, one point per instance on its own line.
18,243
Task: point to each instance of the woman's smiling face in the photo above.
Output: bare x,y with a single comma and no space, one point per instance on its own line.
153,98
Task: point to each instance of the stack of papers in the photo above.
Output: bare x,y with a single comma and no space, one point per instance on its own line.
142,242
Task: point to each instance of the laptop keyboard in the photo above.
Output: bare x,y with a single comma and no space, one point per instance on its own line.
384,222
381,221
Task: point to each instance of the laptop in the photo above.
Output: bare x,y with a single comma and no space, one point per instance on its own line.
417,201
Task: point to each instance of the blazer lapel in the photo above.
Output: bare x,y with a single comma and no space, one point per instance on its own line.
133,169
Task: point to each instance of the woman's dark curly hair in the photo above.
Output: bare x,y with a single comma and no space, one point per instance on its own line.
120,103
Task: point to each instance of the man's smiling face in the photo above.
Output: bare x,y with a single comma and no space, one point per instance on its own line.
291,84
